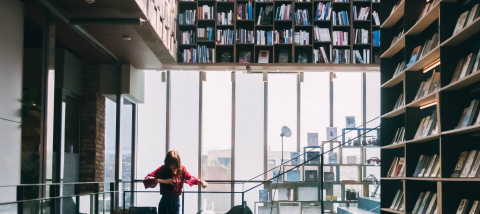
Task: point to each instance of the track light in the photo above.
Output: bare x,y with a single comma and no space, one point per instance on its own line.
431,66
428,105
333,76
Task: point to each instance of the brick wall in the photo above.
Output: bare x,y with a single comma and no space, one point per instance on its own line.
92,147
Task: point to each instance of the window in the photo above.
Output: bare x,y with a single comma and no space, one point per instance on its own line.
249,126
373,99
184,126
126,118
151,134
109,173
217,139
282,111
347,100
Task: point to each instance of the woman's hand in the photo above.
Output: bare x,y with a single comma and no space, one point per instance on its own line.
202,183
165,181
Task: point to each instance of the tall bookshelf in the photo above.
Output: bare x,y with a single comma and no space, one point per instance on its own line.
448,101
293,49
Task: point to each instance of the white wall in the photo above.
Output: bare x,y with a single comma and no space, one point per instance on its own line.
11,60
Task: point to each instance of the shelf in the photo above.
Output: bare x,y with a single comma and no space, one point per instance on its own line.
394,113
206,20
423,23
460,179
362,44
424,139
322,20
392,178
344,26
392,211
322,42
465,34
395,16
224,25
226,45
462,83
424,100
422,179
341,45
394,146
187,45
463,130
394,81
394,49
425,60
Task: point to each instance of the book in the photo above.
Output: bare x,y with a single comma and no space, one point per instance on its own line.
277,178
395,199
462,208
263,56
417,204
475,63
311,176
399,201
293,176
430,166
469,163
419,165
462,118
329,176
263,195
392,167
313,157
460,22
419,129
474,172
414,56
400,167
465,66
295,158
473,14
245,57
332,158
424,166
425,203
436,170
432,205
459,167
475,208
457,72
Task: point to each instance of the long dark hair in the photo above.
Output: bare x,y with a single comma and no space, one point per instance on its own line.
173,158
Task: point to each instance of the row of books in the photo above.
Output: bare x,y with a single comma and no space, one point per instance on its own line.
302,38
376,38
426,203
399,135
321,34
205,34
466,18
340,18
224,37
201,55
397,169
264,37
427,167
340,56
283,36
245,36
429,86
427,9
420,51
340,38
396,38
468,165
362,14
324,11
400,69
469,114
320,56
341,1
302,17
376,18
363,58
361,36
225,18
284,12
398,202
466,66
465,204
187,18
428,126
245,11
396,6
265,16
400,102
206,12
187,37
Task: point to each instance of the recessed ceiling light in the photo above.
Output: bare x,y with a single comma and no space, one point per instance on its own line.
90,1
127,38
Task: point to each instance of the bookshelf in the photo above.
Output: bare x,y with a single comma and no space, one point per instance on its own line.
448,101
293,49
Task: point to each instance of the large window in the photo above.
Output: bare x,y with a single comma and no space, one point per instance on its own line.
373,99
184,126
347,101
109,172
151,134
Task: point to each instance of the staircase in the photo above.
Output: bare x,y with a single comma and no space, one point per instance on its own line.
366,205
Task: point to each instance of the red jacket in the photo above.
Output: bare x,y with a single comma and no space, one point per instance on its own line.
164,172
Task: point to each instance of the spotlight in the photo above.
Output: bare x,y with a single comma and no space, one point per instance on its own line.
333,76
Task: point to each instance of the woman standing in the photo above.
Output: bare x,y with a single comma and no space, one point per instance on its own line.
171,177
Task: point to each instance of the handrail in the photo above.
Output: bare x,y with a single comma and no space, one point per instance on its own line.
52,184
56,197
282,163
321,155
209,181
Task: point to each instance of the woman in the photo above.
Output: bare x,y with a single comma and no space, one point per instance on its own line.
171,177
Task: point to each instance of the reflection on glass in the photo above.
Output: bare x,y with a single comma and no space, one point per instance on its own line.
126,148
110,126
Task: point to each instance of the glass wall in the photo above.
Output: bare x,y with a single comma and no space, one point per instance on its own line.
217,138
184,126
347,101
109,173
373,99
126,137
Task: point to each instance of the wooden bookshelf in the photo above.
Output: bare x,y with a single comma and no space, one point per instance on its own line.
293,49
448,101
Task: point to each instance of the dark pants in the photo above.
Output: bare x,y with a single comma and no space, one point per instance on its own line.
169,205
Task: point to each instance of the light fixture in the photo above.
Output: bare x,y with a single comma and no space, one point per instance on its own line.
126,38
301,77
333,76
431,66
428,105
164,78
265,76
90,1
203,76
